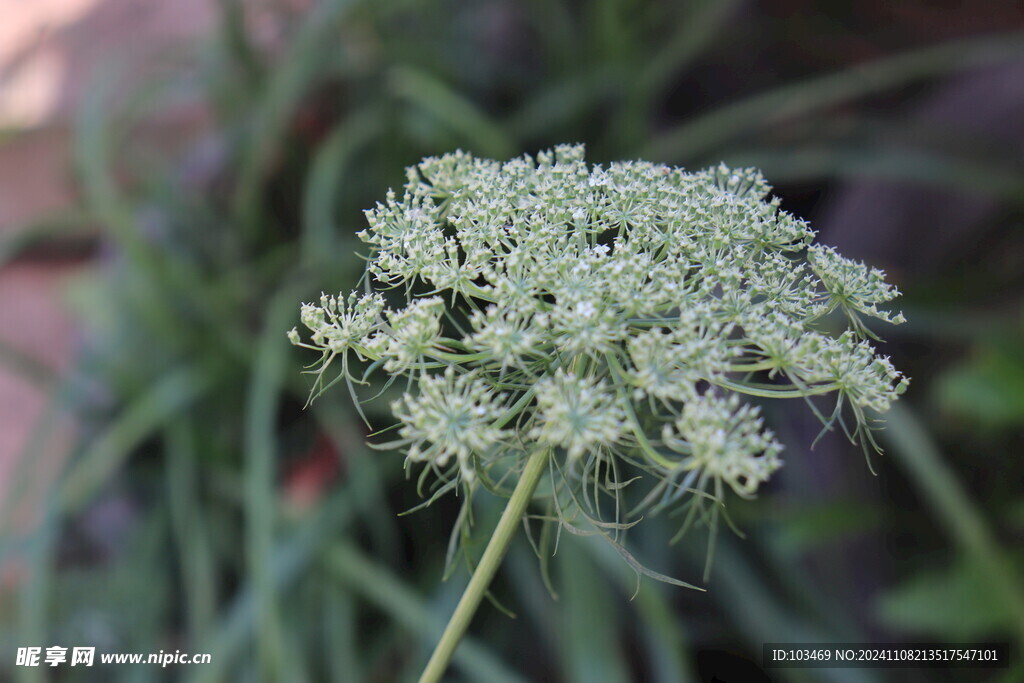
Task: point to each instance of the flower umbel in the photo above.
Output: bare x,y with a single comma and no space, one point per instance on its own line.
724,441
577,414
451,415
624,318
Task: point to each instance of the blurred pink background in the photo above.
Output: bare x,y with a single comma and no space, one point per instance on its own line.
50,51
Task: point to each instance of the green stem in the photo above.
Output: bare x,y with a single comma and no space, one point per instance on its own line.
493,555
769,390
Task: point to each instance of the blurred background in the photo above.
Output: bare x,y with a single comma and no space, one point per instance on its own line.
176,177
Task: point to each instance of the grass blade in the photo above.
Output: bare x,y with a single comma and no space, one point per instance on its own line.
388,593
914,450
690,141
484,136
261,454
168,396
332,162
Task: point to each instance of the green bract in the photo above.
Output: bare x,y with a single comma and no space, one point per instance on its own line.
619,315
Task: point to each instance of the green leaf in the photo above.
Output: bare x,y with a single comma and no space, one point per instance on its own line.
591,650
809,162
290,560
436,98
380,587
953,603
168,397
696,138
331,164
290,81
264,394
914,450
987,389
804,526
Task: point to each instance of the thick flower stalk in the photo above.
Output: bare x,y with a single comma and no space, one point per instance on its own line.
621,321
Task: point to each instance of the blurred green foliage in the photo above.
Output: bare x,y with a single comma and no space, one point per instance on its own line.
913,606
203,509
988,387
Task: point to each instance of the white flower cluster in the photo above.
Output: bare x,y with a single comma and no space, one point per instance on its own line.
452,415
578,414
611,313
723,439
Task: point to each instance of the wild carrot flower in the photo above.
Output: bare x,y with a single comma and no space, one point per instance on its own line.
623,317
